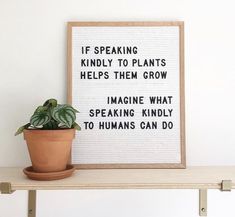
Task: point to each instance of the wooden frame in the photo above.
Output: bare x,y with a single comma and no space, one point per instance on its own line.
180,24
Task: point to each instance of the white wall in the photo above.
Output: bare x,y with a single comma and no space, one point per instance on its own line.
33,68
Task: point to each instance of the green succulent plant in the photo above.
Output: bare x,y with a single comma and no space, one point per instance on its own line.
52,116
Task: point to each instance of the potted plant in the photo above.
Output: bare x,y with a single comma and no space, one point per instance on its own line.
49,136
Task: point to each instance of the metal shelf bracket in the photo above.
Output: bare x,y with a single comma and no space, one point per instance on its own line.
5,188
202,202
32,197
226,185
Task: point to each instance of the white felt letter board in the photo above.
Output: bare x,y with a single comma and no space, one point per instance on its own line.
127,81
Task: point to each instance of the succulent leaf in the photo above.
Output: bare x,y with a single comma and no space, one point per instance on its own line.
50,102
40,118
21,129
51,125
64,114
52,116
75,110
76,126
40,109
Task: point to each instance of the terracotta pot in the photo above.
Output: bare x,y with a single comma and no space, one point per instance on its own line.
49,150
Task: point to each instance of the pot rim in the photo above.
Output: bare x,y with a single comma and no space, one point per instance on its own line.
64,134
41,130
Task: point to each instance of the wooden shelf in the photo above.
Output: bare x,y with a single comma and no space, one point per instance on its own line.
201,178
190,178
